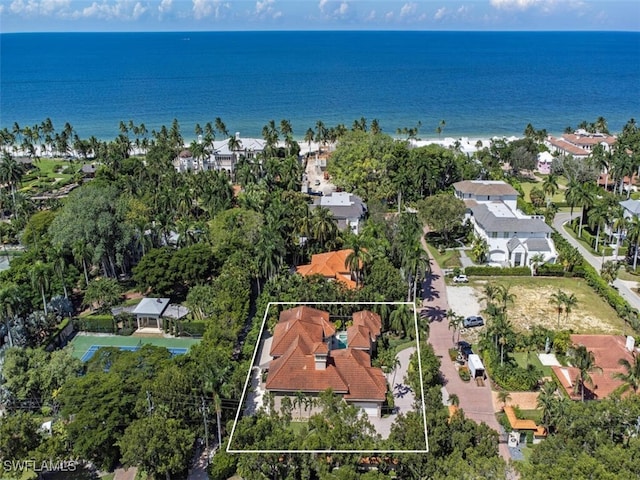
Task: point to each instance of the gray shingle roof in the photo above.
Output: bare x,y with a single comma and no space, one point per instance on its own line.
538,245
485,187
490,223
632,206
354,209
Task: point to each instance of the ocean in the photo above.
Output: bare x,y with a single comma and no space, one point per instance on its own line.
479,83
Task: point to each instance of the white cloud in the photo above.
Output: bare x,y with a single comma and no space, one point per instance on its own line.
165,6
38,7
263,6
342,9
206,8
138,10
389,16
517,4
440,13
371,16
265,9
462,10
408,9
202,8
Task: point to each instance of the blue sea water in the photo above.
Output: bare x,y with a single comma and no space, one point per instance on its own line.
480,83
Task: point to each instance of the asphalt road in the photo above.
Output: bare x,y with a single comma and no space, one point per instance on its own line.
624,288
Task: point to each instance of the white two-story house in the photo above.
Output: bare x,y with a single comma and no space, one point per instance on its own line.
513,237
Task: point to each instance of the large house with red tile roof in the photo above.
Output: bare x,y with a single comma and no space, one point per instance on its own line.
580,143
607,351
310,356
332,266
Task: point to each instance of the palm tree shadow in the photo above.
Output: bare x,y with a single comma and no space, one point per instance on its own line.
435,314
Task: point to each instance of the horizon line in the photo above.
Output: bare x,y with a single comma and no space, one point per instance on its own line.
293,30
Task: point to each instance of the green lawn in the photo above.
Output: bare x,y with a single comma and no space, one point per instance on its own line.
521,360
557,198
449,259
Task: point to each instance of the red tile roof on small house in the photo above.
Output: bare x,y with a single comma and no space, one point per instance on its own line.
330,265
607,350
303,361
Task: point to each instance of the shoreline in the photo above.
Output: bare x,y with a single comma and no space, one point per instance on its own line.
467,145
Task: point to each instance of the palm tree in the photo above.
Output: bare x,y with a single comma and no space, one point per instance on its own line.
585,196
40,279
535,261
323,227
546,401
550,186
81,252
505,297
455,322
557,299
480,249
609,271
299,400
357,259
234,144
569,302
585,361
633,234
597,217
308,137
11,172
631,376
400,320
504,396
454,400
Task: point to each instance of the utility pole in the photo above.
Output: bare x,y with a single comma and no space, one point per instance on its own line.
206,427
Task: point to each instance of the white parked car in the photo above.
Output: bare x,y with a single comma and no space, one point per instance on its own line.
460,279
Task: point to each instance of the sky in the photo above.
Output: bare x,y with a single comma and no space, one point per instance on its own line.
234,15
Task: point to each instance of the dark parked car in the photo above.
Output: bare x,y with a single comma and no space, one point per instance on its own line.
473,321
464,348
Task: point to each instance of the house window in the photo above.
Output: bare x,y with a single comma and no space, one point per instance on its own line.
494,234
505,234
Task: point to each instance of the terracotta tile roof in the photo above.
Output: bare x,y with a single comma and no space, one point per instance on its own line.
365,329
299,335
364,381
358,336
562,144
329,265
519,424
296,371
370,320
308,324
589,140
607,350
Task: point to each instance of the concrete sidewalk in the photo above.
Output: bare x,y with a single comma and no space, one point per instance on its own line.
624,288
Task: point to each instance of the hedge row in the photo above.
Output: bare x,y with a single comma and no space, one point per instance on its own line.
96,323
557,270
591,240
498,271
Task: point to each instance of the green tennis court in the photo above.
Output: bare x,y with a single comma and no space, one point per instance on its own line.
82,344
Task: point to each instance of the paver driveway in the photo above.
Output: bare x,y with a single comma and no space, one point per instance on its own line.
474,400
